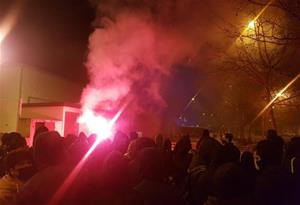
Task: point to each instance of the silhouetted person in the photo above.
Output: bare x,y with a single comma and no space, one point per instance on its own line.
275,138
181,160
115,186
229,186
168,157
292,163
137,145
273,183
69,140
121,142
159,141
231,152
19,168
14,141
48,152
167,146
152,189
39,131
248,166
10,142
206,149
78,149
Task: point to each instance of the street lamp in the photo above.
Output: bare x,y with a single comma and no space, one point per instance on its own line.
251,25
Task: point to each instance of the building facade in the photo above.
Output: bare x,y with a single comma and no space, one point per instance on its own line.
22,84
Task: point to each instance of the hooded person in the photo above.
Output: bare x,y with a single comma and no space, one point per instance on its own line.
206,149
49,157
134,148
273,184
292,163
153,189
10,141
19,168
39,131
229,186
181,160
114,186
13,141
120,142
231,152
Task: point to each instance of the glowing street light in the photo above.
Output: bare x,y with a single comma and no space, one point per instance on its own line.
251,25
279,94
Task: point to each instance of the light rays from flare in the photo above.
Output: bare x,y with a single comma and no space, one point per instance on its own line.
105,124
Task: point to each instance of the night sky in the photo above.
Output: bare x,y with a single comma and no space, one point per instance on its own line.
51,35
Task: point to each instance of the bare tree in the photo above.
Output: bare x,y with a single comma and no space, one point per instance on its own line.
263,50
291,7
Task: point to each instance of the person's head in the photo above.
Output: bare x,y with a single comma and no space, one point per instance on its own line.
19,164
116,171
78,149
14,141
151,164
48,149
137,145
205,133
159,140
247,160
38,131
268,153
120,142
69,140
271,134
183,145
228,137
167,145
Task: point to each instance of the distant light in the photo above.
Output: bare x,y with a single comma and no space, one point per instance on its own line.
251,25
279,94
9,20
193,99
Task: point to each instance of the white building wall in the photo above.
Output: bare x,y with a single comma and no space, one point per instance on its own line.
23,83
9,97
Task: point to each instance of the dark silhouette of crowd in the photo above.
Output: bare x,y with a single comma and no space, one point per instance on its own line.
131,169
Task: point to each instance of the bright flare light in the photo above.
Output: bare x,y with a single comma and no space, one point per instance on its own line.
96,124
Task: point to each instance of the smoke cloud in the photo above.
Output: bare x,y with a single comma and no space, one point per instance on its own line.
132,51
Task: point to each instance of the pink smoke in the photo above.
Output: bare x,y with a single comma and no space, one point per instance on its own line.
127,60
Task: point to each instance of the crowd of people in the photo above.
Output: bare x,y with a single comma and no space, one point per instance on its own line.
131,169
